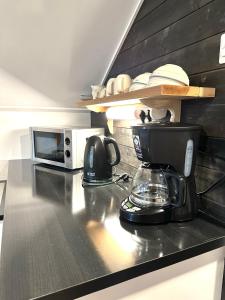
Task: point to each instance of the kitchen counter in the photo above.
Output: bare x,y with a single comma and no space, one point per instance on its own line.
61,241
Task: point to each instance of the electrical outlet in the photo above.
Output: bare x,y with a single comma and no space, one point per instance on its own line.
222,49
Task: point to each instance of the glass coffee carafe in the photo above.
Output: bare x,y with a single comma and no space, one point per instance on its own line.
154,186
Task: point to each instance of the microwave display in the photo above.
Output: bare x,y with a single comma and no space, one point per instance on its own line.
49,145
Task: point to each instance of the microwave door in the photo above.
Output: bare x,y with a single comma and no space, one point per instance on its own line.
49,147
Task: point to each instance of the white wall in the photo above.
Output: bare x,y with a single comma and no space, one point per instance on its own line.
51,51
14,132
16,119
14,138
60,48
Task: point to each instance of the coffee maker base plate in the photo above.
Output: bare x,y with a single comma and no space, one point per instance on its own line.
149,215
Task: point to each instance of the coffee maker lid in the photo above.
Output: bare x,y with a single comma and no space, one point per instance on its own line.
169,125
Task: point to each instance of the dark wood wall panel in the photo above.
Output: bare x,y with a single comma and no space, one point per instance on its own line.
196,58
186,33
214,78
166,14
199,25
210,116
191,41
215,150
209,113
147,7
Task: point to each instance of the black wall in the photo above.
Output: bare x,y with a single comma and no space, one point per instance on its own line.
187,33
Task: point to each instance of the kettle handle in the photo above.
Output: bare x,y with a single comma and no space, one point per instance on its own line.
181,188
110,140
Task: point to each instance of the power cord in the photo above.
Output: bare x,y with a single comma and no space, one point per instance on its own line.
217,182
121,177
125,177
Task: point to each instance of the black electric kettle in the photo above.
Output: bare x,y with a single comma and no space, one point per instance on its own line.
98,160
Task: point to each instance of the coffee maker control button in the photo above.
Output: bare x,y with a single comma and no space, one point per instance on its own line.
67,153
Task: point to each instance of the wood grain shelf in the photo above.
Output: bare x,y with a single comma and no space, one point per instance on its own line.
161,96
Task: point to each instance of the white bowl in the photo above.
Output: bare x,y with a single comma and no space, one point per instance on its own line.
172,74
158,80
138,86
140,82
142,78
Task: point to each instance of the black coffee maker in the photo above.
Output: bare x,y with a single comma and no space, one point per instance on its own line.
98,160
163,188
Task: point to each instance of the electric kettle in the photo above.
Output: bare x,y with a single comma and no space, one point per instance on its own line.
98,161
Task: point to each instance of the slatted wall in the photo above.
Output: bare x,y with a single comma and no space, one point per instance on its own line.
187,33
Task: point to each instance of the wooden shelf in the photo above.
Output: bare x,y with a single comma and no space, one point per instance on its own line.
162,96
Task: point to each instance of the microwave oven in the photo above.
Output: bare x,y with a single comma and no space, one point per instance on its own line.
62,147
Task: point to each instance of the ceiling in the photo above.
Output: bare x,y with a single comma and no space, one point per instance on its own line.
59,48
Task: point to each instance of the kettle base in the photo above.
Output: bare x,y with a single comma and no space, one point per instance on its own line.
87,182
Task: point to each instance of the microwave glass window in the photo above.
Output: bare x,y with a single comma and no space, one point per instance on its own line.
49,145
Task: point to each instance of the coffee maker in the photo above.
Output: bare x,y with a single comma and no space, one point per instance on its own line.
163,188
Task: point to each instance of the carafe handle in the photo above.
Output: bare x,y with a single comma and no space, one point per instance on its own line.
110,140
181,188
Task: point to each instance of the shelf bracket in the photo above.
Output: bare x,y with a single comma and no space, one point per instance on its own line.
174,106
97,108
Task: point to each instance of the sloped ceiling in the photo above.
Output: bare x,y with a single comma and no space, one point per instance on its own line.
59,48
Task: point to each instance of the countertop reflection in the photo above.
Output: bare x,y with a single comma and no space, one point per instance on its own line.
59,235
